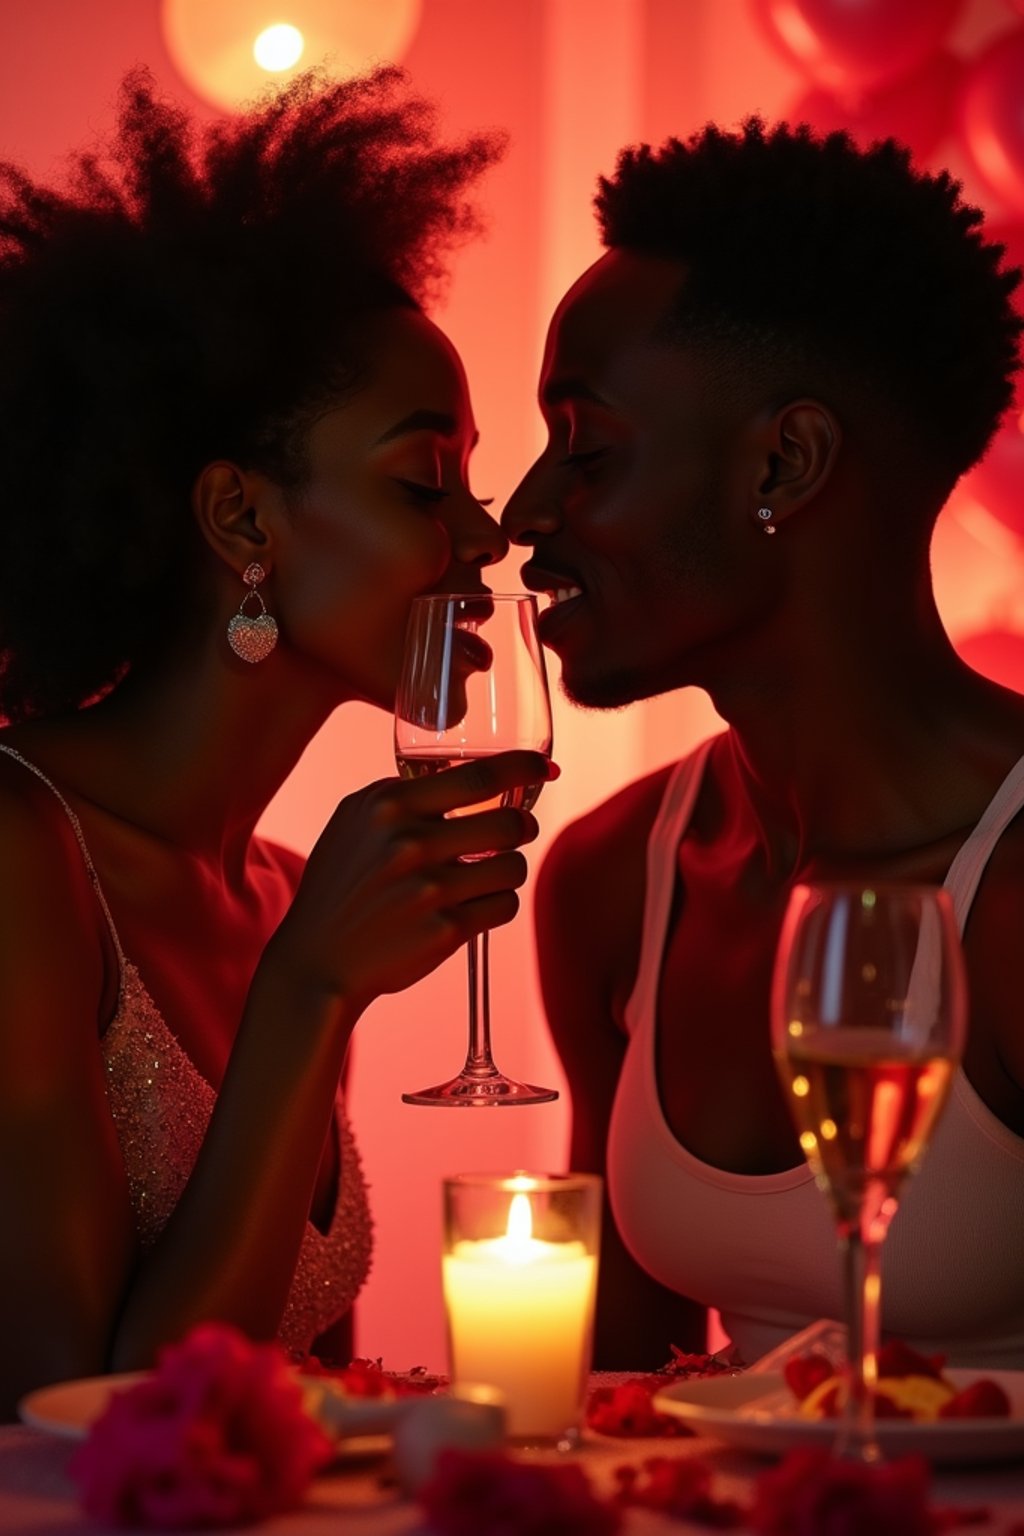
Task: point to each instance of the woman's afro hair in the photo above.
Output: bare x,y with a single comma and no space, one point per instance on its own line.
190,292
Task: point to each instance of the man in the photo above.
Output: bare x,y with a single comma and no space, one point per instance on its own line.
758,401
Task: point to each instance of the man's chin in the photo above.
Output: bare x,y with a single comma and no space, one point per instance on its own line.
600,693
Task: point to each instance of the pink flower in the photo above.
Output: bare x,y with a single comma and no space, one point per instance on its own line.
216,1435
810,1494
486,1493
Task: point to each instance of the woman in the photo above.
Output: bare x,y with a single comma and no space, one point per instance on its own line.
234,449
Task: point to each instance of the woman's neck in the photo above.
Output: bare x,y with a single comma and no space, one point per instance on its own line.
190,754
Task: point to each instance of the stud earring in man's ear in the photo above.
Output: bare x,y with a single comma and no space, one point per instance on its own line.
253,636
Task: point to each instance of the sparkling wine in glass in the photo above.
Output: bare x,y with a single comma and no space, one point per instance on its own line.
868,1023
473,683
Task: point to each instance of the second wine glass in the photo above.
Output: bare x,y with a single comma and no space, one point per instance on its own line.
868,1022
473,683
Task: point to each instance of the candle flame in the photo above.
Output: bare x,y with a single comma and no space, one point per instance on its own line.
520,1220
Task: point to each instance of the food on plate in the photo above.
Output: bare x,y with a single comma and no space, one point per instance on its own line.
362,1398
368,1378
910,1386
627,1409
682,1366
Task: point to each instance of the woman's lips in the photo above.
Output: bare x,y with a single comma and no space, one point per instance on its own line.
472,650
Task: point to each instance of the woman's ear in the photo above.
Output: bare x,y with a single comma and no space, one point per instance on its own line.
229,507
798,450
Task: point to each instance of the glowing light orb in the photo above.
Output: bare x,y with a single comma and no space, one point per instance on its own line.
278,47
212,44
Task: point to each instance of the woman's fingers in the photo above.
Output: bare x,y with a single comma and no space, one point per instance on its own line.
406,870
475,837
446,906
476,780
462,882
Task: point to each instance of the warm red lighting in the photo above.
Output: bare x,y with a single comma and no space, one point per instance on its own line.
225,51
992,123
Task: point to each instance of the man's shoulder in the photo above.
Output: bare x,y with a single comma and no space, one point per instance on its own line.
589,896
618,826
624,818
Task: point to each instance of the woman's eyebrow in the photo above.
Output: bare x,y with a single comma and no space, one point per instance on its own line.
422,421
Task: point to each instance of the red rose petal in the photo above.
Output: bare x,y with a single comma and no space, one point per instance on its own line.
983,1399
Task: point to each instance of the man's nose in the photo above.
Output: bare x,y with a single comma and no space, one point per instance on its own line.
528,512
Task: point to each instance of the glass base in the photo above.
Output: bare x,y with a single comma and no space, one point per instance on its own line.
491,1092
564,1442
866,1453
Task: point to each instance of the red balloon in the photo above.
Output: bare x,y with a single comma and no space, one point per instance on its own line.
992,117
997,654
919,111
856,45
1012,236
998,481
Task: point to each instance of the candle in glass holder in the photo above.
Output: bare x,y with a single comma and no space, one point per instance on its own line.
520,1276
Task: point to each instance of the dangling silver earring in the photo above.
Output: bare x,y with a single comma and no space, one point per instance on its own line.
765,514
253,636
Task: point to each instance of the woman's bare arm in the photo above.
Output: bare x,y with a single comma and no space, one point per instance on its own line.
69,1246
383,900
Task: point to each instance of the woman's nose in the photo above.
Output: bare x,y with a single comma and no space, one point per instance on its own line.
476,537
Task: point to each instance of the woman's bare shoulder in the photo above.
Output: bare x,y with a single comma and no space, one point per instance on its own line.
39,847
278,856
55,958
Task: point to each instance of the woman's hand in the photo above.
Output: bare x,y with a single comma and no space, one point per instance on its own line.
396,882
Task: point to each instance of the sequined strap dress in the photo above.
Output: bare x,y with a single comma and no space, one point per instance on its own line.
161,1106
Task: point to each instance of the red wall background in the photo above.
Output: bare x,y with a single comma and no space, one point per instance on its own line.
572,80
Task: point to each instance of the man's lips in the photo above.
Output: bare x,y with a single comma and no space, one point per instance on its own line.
559,586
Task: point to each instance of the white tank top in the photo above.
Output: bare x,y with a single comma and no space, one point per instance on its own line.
762,1248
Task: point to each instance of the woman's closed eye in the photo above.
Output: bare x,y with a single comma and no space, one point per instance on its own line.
426,493
432,494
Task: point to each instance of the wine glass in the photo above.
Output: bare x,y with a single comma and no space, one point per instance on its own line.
473,683
869,1006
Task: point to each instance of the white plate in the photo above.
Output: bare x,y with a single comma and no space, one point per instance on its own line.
757,1412
68,1408
343,1415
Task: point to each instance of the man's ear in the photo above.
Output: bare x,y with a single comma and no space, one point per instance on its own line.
798,448
229,505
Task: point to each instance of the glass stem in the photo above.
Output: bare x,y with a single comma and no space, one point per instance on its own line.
479,1062
862,1253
